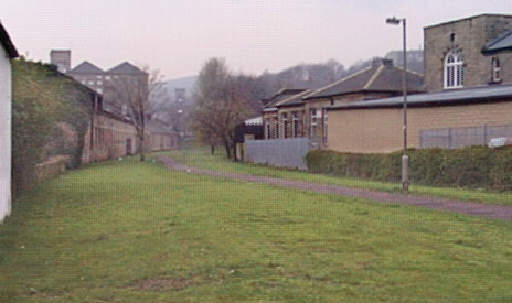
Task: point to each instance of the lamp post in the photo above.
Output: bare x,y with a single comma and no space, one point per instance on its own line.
405,158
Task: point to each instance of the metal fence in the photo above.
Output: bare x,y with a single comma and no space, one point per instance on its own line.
452,138
279,152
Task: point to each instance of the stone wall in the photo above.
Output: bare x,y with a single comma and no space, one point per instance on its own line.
471,35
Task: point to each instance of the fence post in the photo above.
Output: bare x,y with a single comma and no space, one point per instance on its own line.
485,134
449,138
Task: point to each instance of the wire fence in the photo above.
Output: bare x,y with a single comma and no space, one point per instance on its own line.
453,138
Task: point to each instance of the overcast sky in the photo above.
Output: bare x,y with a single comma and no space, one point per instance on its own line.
253,35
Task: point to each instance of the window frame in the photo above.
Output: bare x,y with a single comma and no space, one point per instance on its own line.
453,70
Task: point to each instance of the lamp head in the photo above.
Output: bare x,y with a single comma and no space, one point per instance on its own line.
393,20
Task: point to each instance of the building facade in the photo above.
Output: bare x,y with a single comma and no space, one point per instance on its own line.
456,54
7,52
305,113
112,132
469,101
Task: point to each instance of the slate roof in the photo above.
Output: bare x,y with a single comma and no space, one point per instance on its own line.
7,44
87,68
502,43
125,68
446,97
295,100
282,94
382,76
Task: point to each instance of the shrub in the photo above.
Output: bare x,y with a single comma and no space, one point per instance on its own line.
475,166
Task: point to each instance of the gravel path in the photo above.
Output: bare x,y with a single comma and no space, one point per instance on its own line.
467,208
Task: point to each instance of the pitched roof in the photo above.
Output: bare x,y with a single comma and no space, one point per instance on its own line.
380,76
445,97
295,100
125,68
87,68
282,94
7,44
502,43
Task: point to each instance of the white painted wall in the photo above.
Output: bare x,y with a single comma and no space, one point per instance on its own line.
5,135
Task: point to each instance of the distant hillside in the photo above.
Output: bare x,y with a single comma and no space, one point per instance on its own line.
184,82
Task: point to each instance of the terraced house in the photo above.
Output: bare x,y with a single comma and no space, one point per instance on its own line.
304,114
468,76
112,133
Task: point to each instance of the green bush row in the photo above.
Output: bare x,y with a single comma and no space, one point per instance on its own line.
475,166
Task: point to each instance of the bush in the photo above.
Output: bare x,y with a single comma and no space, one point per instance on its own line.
475,166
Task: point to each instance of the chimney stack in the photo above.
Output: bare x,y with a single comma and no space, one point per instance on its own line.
61,59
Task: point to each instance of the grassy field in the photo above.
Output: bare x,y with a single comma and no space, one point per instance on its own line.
201,158
126,231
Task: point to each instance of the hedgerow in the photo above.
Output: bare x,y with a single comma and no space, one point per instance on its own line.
475,166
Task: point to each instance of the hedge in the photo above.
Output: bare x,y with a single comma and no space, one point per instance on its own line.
475,166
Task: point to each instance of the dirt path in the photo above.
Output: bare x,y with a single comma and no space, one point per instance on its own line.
467,208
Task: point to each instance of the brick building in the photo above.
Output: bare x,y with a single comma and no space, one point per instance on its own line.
468,76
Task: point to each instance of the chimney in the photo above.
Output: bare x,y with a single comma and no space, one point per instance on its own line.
387,62
377,61
61,59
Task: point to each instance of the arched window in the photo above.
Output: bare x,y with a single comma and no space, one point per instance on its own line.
453,69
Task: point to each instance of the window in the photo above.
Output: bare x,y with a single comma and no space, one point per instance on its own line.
324,126
452,37
267,129
124,110
99,82
90,82
284,118
107,77
314,122
276,122
295,125
99,91
496,69
99,77
453,69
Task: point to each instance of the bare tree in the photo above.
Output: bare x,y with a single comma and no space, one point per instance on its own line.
221,103
131,94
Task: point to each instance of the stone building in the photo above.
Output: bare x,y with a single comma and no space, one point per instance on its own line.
112,133
468,52
468,75
88,74
7,52
61,59
304,113
272,129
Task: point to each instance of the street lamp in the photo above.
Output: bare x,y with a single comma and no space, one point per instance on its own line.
405,158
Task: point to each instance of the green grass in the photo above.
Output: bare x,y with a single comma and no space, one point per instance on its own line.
203,159
126,231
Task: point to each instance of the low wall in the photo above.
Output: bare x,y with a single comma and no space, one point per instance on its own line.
289,153
56,165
